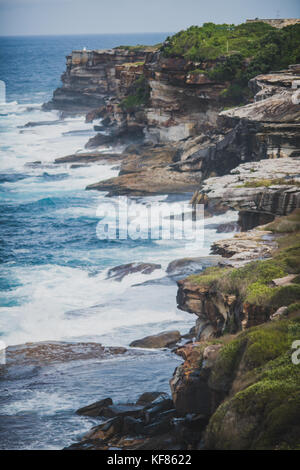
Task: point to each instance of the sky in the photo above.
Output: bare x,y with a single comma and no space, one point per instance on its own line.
36,17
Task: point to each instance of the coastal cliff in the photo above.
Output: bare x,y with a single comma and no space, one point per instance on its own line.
168,110
92,77
231,390
176,96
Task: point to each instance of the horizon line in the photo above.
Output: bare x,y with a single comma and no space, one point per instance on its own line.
83,34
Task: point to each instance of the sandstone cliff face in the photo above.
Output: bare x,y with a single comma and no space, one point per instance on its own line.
92,77
183,102
245,386
259,191
183,111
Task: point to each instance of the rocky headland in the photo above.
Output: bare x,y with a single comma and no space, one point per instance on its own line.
186,123
237,387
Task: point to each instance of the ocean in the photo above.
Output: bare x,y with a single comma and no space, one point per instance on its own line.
54,284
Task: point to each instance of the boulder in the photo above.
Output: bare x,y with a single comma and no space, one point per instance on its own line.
106,430
280,313
122,410
283,281
148,397
162,340
95,409
189,384
186,266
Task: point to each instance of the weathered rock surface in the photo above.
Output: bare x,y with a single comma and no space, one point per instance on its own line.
245,247
213,308
185,266
95,409
249,189
182,112
189,384
48,352
147,171
91,77
158,426
216,310
161,340
90,157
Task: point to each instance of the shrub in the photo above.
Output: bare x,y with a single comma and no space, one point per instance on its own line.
139,94
241,52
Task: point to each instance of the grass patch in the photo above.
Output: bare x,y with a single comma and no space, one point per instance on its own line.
133,64
139,48
266,183
265,413
252,282
209,277
288,224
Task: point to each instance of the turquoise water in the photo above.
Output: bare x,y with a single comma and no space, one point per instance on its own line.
53,266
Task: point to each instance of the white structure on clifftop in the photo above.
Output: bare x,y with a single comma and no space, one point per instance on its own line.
276,23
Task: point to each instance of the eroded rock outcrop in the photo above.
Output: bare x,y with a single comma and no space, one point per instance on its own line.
259,190
92,77
161,340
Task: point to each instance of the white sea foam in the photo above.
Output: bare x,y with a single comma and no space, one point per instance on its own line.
58,302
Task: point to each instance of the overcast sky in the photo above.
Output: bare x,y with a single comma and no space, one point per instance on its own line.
22,17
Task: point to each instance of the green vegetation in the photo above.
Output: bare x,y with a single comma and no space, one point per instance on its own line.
252,282
263,412
209,277
293,308
240,52
288,224
269,182
133,64
139,47
139,94
197,72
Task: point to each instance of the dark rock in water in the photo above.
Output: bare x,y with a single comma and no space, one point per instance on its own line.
127,409
162,425
162,340
117,136
148,397
98,140
106,430
132,426
119,272
185,266
95,409
41,123
49,352
163,404
88,444
89,157
228,227
99,128
94,114
33,164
